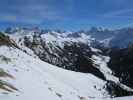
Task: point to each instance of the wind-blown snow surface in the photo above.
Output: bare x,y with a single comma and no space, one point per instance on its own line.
37,80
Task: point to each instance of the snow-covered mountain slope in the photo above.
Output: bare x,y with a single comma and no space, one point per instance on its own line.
101,63
25,48
70,51
36,79
53,47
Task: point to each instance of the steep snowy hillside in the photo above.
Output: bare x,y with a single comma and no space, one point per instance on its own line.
55,48
70,51
36,79
23,55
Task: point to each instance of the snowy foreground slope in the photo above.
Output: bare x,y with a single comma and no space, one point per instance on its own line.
37,80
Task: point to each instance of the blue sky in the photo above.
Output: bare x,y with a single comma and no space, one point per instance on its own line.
66,14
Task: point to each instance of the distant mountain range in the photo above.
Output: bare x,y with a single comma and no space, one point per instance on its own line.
109,38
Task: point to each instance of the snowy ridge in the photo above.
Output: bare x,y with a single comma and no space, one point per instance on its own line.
107,37
52,36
